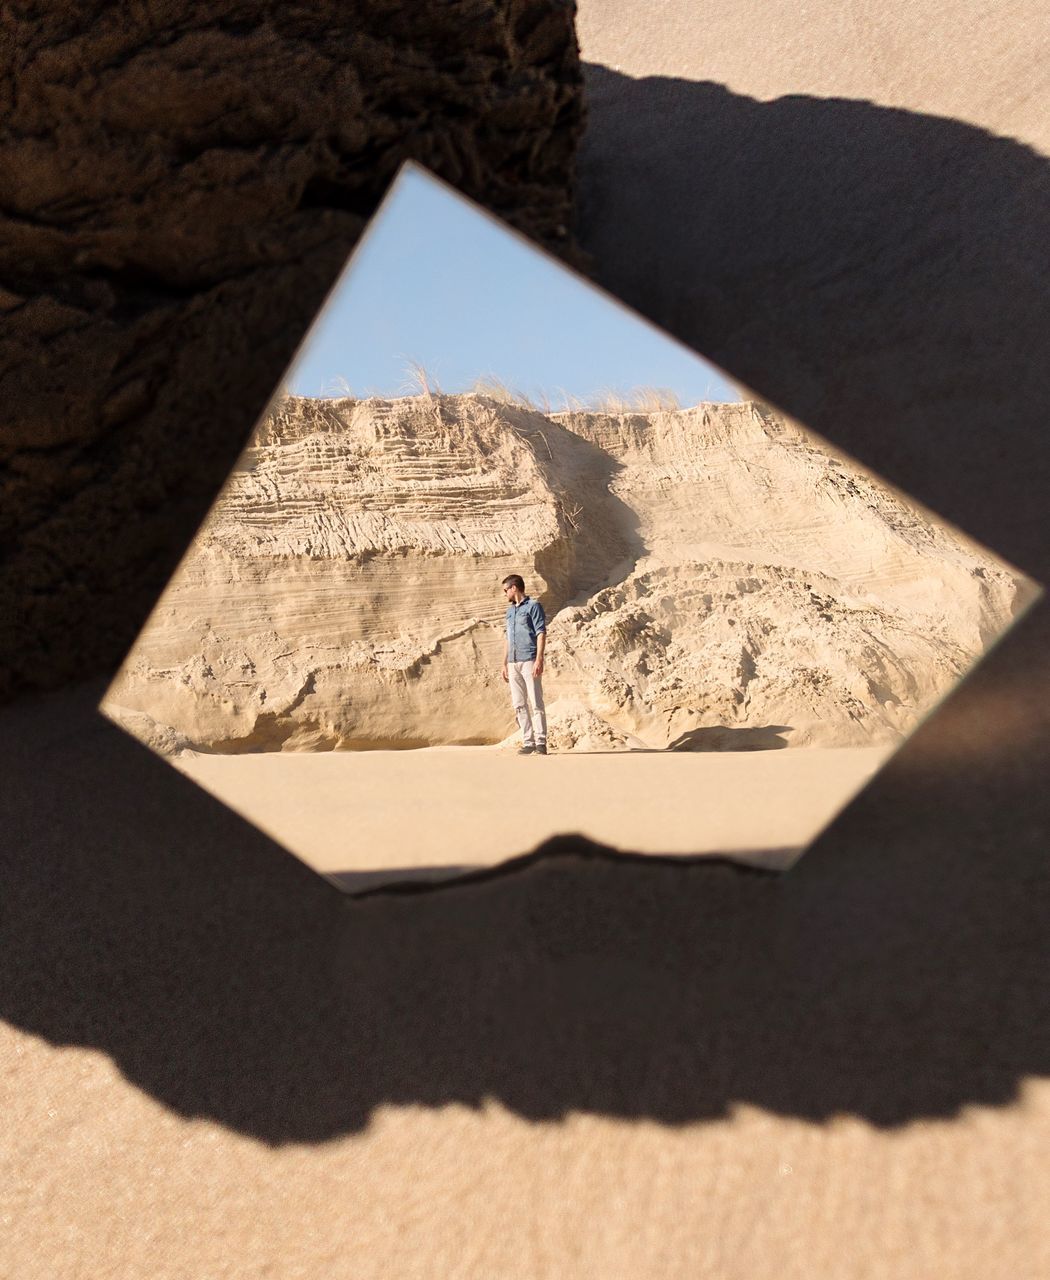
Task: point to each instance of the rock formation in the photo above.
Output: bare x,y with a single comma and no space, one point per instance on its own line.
179,186
714,577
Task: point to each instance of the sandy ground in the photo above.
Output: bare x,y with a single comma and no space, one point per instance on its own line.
215,1064
212,1064
477,1191
372,817
954,58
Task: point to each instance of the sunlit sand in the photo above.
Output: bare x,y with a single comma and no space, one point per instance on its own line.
362,816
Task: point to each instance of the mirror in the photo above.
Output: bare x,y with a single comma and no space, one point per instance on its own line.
739,624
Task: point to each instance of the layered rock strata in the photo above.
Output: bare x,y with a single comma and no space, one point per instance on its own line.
714,578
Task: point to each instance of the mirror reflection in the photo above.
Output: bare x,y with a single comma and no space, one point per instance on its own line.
501,561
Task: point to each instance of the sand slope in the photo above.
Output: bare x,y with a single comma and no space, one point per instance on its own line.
704,569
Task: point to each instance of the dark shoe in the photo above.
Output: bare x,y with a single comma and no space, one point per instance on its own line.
541,748
526,751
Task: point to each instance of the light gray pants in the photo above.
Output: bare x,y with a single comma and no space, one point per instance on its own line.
526,693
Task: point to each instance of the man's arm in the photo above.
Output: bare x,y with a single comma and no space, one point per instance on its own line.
541,644
506,654
539,631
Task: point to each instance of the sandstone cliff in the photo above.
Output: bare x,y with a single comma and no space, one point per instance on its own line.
714,578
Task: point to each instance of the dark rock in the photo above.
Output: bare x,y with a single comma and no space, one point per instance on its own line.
180,183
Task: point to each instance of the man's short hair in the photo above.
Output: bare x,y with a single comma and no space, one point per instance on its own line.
514,580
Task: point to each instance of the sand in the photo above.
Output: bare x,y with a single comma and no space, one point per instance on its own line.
730,585
369,818
599,1071
213,1063
472,1192
725,572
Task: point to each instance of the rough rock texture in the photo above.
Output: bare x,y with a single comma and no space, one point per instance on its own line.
179,185
714,577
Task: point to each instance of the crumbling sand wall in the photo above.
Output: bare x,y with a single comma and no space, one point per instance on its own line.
714,577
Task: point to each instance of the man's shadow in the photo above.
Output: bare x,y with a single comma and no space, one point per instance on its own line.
878,274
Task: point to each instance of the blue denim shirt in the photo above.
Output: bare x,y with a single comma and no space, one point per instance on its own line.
525,621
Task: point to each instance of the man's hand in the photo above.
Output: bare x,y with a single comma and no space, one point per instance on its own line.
504,673
537,667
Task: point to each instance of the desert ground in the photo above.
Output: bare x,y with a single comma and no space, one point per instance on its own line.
742,624
366,818
213,1064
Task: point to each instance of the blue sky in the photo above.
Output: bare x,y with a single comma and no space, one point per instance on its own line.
438,282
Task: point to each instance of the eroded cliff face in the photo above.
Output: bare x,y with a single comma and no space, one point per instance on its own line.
180,184
713,578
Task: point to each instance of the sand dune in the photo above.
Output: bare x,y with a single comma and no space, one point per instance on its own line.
703,569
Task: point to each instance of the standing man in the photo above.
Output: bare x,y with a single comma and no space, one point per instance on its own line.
523,645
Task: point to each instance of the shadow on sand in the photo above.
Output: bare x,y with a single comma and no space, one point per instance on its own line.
881,275
407,880
765,737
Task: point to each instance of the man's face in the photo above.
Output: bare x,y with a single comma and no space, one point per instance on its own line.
513,593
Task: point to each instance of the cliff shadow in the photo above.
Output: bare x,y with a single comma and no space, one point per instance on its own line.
879,274
764,737
897,973
604,542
